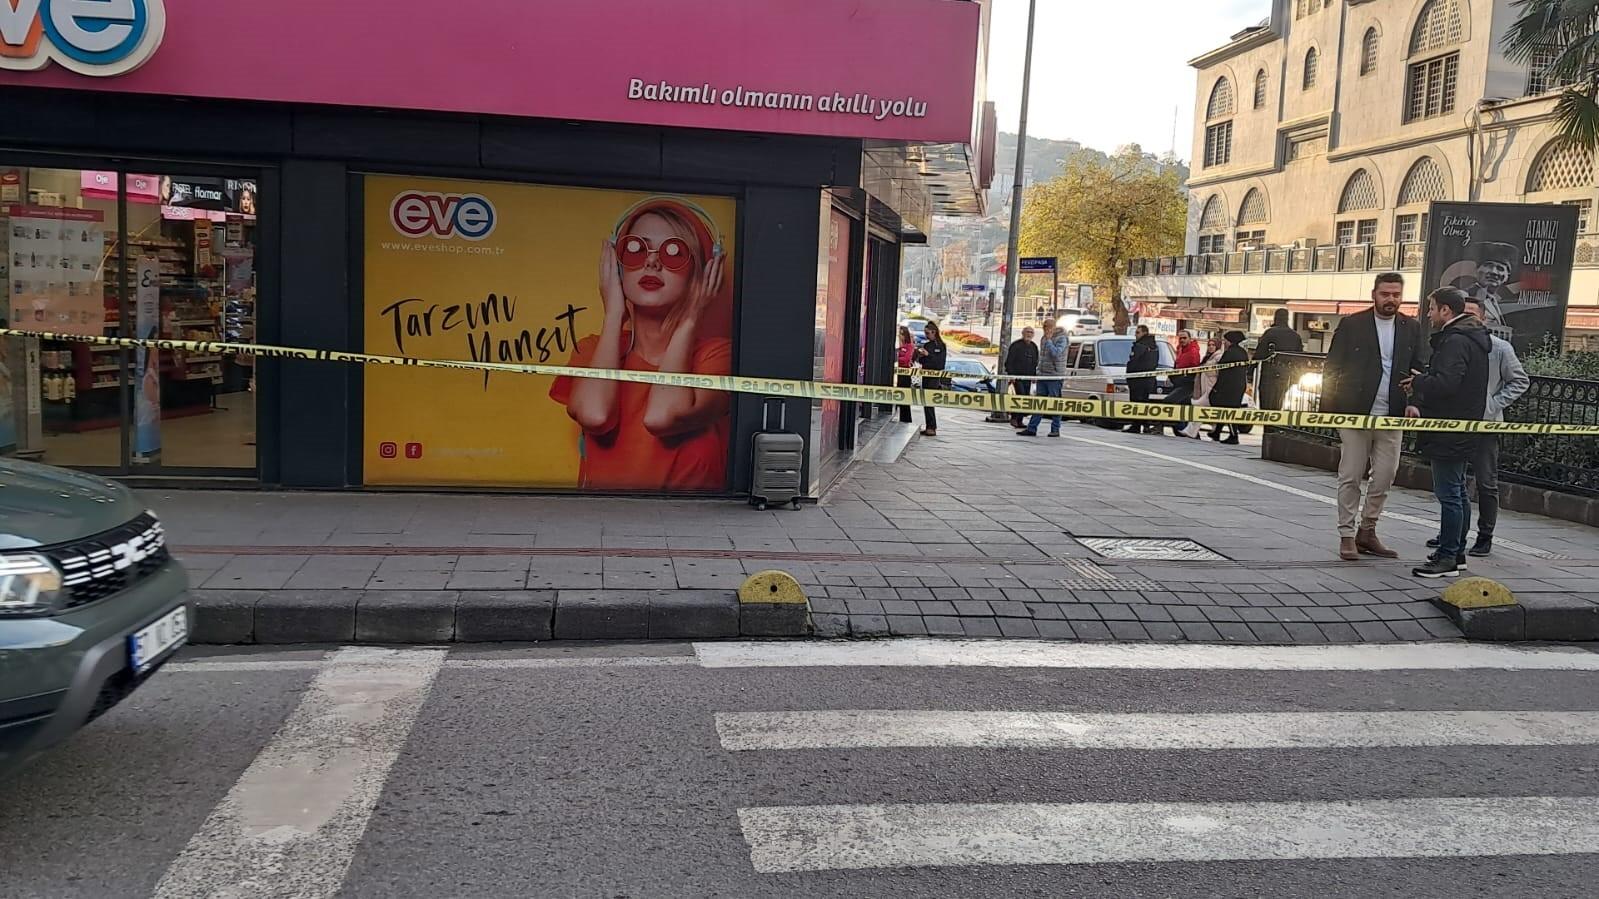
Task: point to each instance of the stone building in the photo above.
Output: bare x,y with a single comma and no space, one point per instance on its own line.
1320,138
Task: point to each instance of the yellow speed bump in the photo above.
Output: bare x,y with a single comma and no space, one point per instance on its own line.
1478,593
771,587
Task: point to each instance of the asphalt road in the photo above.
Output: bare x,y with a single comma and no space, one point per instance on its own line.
819,770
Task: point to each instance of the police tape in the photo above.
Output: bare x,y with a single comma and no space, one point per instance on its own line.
1083,408
946,374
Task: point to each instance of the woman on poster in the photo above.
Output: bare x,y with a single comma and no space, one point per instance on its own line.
667,307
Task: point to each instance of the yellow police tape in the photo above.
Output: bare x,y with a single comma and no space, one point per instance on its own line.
915,396
1161,373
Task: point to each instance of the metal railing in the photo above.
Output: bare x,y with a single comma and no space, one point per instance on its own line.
1563,464
1379,257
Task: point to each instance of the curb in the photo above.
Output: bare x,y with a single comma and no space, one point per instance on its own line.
1563,617
473,616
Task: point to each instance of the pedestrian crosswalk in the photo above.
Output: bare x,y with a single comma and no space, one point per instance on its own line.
1465,820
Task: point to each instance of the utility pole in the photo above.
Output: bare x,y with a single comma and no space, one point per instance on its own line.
1012,252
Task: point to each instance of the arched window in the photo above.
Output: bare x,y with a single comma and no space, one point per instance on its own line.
1423,184
1213,226
1368,52
1221,100
1430,82
1562,165
1312,60
1219,134
1252,212
1565,170
1260,89
1438,26
1360,193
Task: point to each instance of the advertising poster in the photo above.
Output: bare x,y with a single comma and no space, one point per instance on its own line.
147,372
1515,258
499,272
9,346
56,257
831,323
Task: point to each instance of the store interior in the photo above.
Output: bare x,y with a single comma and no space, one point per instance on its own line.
184,270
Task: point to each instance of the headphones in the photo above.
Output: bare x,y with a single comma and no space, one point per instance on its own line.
704,217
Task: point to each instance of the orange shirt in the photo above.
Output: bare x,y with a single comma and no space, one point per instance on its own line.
630,457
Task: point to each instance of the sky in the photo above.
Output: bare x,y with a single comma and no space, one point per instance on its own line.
1109,73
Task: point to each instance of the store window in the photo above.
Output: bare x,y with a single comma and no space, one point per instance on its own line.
184,269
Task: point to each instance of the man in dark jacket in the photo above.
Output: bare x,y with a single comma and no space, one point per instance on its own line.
1279,338
1455,386
1371,353
1230,382
1021,359
1145,357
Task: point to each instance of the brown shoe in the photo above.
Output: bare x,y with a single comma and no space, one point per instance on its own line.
1347,550
1366,541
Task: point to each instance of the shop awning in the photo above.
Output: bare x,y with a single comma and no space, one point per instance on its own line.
1584,320
1335,307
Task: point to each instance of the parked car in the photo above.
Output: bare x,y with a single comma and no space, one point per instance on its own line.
91,603
918,328
979,379
1097,367
1087,326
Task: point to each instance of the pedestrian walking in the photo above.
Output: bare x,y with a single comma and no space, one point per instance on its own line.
1205,382
1231,383
1507,381
1183,386
1455,386
904,357
1021,359
1051,361
1145,357
1372,352
933,356
1279,338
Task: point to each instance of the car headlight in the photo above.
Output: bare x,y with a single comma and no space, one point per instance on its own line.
30,584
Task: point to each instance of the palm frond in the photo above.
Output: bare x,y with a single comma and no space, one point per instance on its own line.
1577,115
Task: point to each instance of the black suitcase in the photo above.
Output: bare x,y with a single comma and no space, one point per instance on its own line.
779,457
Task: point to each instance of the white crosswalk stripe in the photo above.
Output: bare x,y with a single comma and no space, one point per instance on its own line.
872,729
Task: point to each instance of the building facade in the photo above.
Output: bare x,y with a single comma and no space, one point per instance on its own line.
1322,135
708,186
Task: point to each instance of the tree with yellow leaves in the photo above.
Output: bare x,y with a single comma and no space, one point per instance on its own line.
1098,215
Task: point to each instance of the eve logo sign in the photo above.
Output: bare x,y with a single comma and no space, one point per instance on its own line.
90,37
423,214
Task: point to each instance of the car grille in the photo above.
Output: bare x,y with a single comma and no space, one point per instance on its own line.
108,563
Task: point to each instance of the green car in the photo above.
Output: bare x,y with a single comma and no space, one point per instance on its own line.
91,603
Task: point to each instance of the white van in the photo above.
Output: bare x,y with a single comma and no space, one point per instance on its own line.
1097,367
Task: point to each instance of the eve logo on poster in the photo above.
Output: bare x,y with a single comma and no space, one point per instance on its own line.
424,214
90,37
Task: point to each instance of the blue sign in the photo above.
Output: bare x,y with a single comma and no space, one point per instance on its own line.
1038,265
978,287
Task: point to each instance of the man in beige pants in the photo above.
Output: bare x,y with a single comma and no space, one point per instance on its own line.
1372,352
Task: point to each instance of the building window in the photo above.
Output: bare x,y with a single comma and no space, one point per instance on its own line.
1430,88
1218,144
1249,240
1368,52
1360,192
1306,147
1253,209
1260,89
1424,183
1312,58
1410,228
1541,78
1563,165
1438,26
1221,100
1212,226
1584,211
1357,231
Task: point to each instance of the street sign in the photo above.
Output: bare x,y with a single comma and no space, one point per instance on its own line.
976,287
1038,265
1085,295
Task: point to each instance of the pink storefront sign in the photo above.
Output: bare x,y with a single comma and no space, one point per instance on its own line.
889,69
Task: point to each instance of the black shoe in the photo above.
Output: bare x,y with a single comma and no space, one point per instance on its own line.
1433,543
1232,441
1436,568
1214,435
1026,433
1133,429
1054,433
1482,547
1460,560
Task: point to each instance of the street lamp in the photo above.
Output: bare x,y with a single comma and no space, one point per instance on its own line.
1012,249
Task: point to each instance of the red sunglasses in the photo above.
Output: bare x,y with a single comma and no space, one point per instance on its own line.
634,252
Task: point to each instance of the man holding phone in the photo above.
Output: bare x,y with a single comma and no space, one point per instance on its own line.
1372,352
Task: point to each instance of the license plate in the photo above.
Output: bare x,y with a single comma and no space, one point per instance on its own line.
149,644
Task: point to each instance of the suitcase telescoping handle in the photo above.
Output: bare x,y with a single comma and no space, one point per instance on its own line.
766,413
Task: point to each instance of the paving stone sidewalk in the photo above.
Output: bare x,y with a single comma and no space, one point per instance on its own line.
973,533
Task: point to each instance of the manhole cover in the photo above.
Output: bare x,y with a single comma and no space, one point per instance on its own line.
1146,550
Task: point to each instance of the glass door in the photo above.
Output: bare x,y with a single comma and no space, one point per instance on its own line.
116,253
